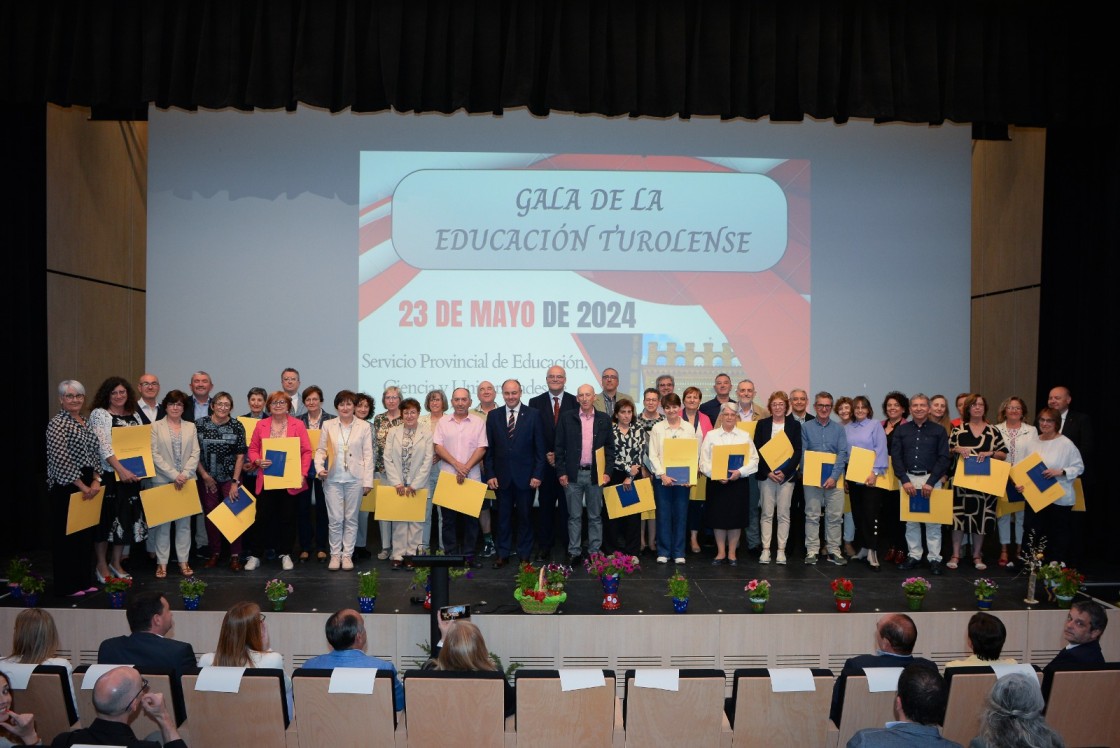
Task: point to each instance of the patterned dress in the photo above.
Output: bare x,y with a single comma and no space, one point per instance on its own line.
122,514
974,511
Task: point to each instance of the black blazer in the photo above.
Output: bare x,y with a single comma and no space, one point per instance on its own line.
762,434
543,404
1078,428
569,444
1082,654
188,411
147,650
856,666
515,460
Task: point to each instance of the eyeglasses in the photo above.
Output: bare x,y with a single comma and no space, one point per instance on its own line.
143,690
823,406
149,384
73,396
1047,420
261,617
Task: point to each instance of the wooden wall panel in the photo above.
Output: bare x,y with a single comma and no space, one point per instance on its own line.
1005,347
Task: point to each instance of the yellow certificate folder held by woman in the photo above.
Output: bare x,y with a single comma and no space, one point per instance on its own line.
1039,491
860,464
681,453
133,448
233,524
83,513
168,503
622,503
282,450
392,507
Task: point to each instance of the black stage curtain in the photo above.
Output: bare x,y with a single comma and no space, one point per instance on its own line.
1027,63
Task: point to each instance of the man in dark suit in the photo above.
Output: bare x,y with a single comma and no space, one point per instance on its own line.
578,435
553,513
513,467
1075,426
895,636
201,404
723,395
919,708
150,620
1084,625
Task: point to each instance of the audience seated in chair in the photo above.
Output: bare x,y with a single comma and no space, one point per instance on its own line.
465,650
244,642
1013,716
986,636
919,708
12,723
1084,625
118,698
346,633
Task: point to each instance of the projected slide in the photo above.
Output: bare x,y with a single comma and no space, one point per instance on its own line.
488,266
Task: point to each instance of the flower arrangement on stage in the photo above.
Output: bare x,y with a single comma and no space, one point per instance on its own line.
1050,573
369,583
117,584
1032,553
618,563
984,588
1068,583
540,589
18,569
758,589
277,589
843,588
32,585
679,587
916,586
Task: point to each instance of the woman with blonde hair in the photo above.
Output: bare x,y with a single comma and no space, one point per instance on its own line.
464,650
243,642
35,642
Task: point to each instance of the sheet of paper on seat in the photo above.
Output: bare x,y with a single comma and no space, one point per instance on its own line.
93,672
82,514
352,680
790,679
1002,670
19,674
881,679
167,503
221,679
664,679
579,678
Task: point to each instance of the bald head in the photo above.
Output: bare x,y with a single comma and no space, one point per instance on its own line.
586,397
116,691
897,633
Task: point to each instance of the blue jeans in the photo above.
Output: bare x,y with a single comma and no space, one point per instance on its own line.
672,518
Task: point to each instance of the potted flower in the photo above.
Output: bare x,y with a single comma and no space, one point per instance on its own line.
758,592
191,588
609,569
117,587
18,569
1049,574
678,590
916,589
31,587
843,589
277,590
369,582
985,590
1067,585
540,589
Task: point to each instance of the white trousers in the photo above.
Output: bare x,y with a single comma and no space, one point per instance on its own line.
775,499
162,536
914,530
343,501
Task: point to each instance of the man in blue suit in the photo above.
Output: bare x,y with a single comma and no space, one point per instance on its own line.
513,467
552,517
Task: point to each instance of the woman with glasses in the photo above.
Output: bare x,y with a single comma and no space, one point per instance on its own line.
222,448
73,466
1019,437
244,642
408,456
974,512
382,422
344,464
1063,464
175,454
312,501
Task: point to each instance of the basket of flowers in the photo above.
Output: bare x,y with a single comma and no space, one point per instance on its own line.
540,589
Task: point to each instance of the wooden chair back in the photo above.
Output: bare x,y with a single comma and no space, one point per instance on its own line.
47,696
968,694
589,716
692,715
257,715
1082,704
339,719
862,708
454,708
762,718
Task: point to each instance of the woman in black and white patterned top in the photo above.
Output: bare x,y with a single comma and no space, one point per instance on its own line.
73,461
624,533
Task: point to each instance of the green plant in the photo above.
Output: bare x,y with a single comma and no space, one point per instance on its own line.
420,575
843,588
758,589
916,586
192,587
678,586
33,584
1068,583
984,588
18,569
369,582
117,584
1051,572
277,589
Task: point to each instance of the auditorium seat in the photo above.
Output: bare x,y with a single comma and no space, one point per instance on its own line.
861,709
1081,704
590,717
47,696
968,695
761,718
257,715
456,708
692,715
328,720
160,681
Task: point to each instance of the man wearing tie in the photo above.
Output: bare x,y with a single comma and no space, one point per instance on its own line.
550,404
512,467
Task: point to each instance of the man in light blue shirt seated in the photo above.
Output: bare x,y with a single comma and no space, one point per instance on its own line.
346,633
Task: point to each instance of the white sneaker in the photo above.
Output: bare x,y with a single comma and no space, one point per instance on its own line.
335,564
662,559
679,561
251,563
286,563
765,557
781,558
347,564
384,554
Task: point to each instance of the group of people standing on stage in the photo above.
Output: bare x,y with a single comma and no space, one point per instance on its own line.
544,454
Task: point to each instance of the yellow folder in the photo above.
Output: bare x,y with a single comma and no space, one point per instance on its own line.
250,425
615,509
940,507
600,465
292,477
721,453
135,441
394,508
1078,495
699,489
860,463
465,498
233,526
166,503
369,501
1003,506
748,426
314,435
813,467
1038,500
682,453
777,451
83,514
994,484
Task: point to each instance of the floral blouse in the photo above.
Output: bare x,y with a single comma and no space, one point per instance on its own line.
381,425
629,448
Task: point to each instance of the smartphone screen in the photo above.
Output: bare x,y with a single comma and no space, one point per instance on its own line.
454,612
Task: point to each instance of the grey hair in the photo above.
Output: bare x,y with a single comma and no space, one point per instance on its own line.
71,384
730,406
1013,716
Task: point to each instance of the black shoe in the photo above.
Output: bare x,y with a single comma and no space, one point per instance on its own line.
910,563
499,563
362,553
935,568
475,564
574,559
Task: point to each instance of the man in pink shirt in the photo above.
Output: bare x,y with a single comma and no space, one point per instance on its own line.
578,434
460,443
